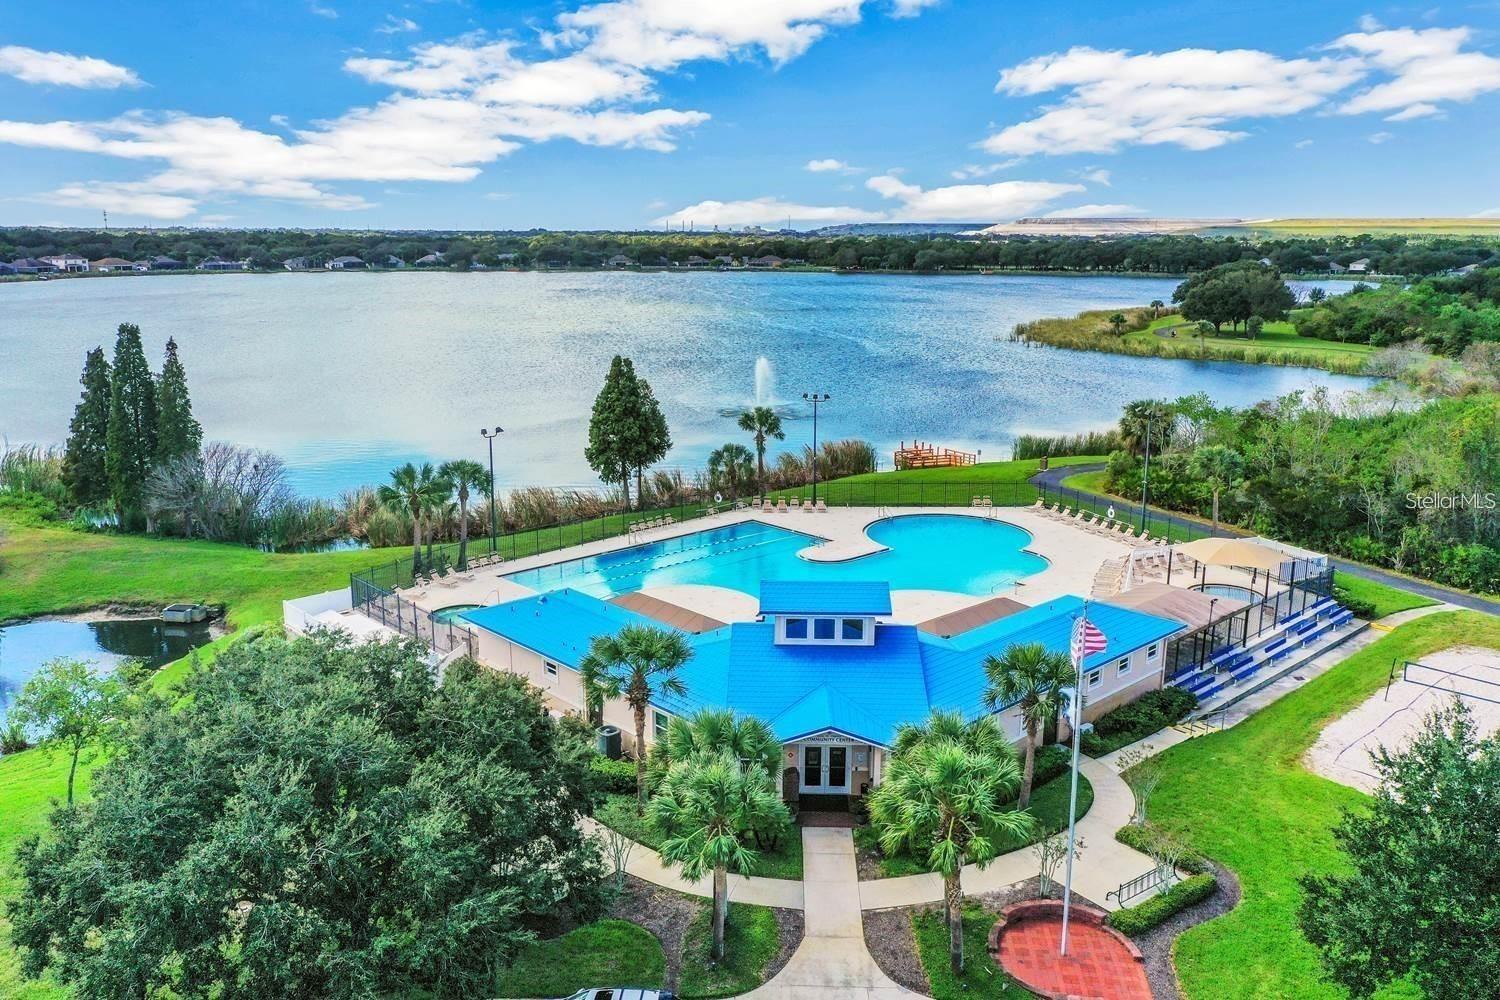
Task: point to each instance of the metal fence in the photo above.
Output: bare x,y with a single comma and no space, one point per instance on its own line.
1193,649
394,611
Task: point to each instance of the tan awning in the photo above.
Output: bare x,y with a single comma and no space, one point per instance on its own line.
1232,552
971,617
1191,607
667,613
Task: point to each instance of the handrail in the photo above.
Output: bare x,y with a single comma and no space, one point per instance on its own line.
1138,886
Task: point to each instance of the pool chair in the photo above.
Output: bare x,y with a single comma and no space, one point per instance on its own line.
781,506
811,507
822,506
1067,513
987,502
1054,509
755,503
795,502
1039,505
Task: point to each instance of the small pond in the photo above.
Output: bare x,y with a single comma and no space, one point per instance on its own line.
24,647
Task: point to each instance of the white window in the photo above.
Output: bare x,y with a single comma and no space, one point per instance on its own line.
1153,650
1095,677
550,668
659,720
1123,667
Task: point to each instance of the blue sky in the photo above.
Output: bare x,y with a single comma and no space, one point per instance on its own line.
627,114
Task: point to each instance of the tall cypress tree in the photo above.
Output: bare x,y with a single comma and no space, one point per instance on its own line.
132,425
83,462
177,433
612,426
654,439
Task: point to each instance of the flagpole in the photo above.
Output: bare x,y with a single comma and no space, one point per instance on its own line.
1077,722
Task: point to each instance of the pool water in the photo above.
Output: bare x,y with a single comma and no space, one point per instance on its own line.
1229,590
954,552
445,615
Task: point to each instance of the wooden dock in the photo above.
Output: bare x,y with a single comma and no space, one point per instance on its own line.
922,455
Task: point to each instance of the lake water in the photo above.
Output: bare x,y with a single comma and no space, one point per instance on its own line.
347,375
25,647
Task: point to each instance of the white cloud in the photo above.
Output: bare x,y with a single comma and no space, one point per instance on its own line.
322,11
974,171
830,166
394,25
1302,143
122,199
457,105
1489,213
911,8
1182,98
64,70
1094,212
1376,138
766,211
1097,175
1195,98
1425,65
968,202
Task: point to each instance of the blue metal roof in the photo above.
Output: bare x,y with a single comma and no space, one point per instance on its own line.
954,676
864,692
817,597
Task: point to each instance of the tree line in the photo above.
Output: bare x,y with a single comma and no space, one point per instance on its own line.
266,249
1448,314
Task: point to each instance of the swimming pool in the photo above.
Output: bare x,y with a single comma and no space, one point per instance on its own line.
1229,590
443,616
970,555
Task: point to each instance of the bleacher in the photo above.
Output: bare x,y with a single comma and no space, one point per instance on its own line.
1232,666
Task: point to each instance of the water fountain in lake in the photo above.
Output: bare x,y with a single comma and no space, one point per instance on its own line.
765,384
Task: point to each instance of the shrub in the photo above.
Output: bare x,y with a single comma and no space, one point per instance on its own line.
613,776
1149,713
13,739
1361,607
1136,920
1139,837
1058,445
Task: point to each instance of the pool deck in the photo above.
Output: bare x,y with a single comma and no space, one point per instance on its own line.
1074,556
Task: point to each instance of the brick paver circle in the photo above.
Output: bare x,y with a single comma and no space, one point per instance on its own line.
1100,964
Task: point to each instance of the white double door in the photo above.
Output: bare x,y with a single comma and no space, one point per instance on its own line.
825,769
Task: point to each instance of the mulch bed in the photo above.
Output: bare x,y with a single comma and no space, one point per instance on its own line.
1156,944
668,914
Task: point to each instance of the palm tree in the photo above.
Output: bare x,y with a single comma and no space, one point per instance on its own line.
638,662
465,474
706,805
763,422
730,465
1117,323
1157,305
1135,418
744,737
414,491
1220,468
1035,679
942,791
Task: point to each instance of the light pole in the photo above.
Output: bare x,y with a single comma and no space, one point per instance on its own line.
489,437
1146,471
815,398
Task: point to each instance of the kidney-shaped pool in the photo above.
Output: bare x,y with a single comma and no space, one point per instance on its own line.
955,552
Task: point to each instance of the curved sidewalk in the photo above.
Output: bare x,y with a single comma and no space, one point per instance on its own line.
1102,866
646,865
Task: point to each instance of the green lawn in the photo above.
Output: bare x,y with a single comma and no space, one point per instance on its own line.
1126,509
618,812
1049,806
608,953
1005,483
1377,598
1243,798
751,941
1274,337
981,976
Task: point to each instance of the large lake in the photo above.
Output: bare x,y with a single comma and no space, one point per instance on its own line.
346,375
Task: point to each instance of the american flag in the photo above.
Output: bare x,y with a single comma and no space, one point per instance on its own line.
1086,639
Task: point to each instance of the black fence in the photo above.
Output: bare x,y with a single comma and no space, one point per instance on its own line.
1238,628
393,611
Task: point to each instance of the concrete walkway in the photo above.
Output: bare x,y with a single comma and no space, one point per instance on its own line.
1103,865
646,865
832,962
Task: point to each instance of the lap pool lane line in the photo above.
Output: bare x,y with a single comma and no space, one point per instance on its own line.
832,962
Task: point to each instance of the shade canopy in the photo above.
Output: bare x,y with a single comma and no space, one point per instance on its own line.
1232,552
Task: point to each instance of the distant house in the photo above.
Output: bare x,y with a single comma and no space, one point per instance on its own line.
1459,272
769,260
1266,261
506,258
433,259
70,262
1361,266
1334,267
7,269
725,259
141,266
346,263
160,263
392,261
477,266
619,260
696,261
297,263
109,265
30,265
220,264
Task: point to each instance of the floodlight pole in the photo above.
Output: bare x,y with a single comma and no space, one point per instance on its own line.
489,436
815,398
1077,722
1146,475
